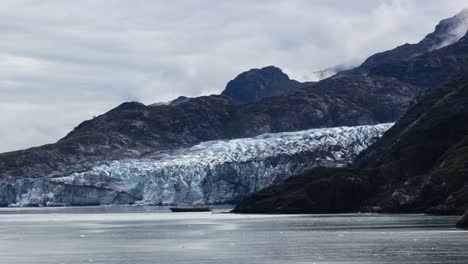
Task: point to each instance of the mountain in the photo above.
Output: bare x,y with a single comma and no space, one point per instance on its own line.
419,165
210,172
447,32
133,130
252,85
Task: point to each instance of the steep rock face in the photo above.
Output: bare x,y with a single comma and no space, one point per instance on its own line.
426,174
252,85
133,130
419,165
447,32
210,172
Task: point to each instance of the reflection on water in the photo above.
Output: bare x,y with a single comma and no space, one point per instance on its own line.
155,235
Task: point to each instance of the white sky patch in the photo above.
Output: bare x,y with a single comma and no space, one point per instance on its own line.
70,60
9,61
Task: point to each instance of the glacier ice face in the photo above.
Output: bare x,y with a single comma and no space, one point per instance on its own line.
220,171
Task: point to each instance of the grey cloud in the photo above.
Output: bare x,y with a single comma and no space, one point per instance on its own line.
62,62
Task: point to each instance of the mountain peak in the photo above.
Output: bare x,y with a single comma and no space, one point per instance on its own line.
447,31
268,73
269,69
255,84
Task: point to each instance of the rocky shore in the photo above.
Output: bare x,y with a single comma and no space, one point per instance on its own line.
463,221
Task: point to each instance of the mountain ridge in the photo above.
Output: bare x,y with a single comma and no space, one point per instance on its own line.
430,69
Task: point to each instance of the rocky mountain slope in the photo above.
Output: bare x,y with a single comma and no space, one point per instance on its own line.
447,32
419,165
210,172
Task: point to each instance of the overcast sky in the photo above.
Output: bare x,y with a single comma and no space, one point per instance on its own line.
61,62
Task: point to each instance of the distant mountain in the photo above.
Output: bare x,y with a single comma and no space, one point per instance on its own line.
255,84
133,130
346,101
447,32
419,165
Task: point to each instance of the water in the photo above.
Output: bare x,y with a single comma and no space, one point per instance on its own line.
155,235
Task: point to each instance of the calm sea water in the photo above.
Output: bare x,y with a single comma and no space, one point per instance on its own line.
155,235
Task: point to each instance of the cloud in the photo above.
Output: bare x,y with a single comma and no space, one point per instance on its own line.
62,62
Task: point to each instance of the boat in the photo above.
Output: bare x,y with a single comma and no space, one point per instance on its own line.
182,209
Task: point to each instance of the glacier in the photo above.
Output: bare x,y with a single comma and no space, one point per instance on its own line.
213,172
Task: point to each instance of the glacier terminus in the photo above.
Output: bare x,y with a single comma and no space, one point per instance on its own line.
212,172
